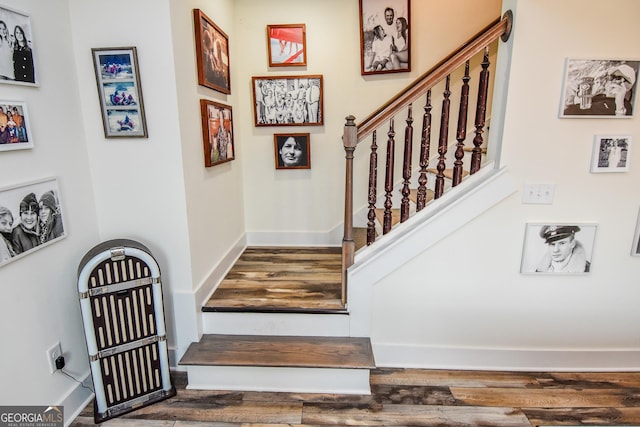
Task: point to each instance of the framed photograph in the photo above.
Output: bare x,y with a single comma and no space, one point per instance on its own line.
611,153
212,54
553,248
120,93
635,246
217,132
288,101
17,59
15,130
30,218
599,88
287,45
385,44
292,151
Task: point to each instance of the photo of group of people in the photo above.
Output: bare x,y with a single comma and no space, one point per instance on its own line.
16,48
288,100
14,132
119,90
384,35
30,217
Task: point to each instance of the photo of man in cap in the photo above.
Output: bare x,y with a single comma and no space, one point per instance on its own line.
565,253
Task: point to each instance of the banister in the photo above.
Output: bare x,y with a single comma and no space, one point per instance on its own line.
498,28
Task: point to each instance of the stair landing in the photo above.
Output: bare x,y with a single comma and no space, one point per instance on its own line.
282,279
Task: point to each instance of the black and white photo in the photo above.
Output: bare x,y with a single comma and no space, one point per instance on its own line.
15,126
385,42
30,218
599,88
292,151
288,101
17,60
611,153
558,248
635,246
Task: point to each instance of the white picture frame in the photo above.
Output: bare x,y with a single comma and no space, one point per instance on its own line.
32,196
611,153
590,84
18,68
635,245
542,239
16,134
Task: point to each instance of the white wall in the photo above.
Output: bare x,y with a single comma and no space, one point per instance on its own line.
39,304
467,297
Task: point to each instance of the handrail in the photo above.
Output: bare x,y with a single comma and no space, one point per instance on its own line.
353,134
498,28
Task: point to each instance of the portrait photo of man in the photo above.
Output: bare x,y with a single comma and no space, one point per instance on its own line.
558,248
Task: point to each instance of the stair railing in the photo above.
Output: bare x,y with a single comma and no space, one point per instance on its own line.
354,134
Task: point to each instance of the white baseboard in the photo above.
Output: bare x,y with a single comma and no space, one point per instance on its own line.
295,238
496,359
77,399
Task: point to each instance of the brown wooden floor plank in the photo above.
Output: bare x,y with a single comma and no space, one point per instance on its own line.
252,350
547,398
282,279
397,400
583,416
410,415
426,377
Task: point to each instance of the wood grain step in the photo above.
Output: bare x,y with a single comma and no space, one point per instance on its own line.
448,173
280,351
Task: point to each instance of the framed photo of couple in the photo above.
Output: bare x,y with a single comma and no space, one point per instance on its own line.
17,65
385,42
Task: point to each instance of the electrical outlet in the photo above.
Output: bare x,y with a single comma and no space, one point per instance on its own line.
53,353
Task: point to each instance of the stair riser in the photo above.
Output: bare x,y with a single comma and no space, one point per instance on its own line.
290,380
327,325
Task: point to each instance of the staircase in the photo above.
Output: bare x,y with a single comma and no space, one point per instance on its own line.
280,321
277,323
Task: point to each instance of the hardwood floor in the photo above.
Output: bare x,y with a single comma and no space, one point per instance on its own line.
282,279
409,397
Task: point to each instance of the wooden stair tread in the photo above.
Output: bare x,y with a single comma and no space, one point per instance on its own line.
280,351
413,195
282,279
395,216
448,173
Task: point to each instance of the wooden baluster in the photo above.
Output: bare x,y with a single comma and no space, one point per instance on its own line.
349,140
388,181
461,134
373,183
481,110
406,167
444,136
425,143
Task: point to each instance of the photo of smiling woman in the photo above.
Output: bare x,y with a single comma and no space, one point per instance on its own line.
30,218
292,151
